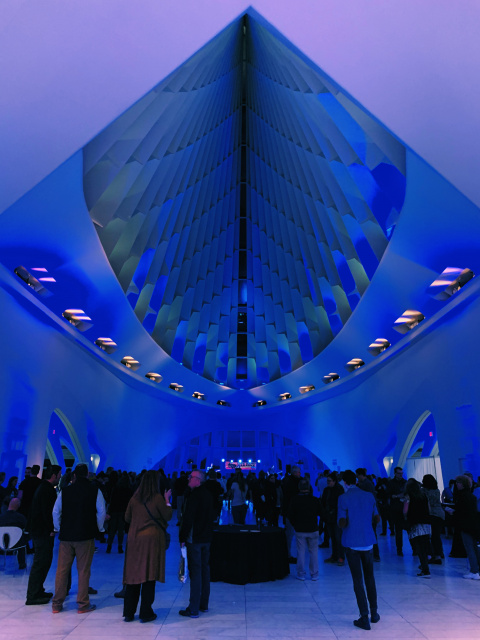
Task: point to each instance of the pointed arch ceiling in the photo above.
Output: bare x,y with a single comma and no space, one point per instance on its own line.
244,205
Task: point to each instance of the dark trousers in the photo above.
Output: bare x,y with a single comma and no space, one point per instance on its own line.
132,596
239,513
436,539
198,557
42,561
398,521
116,525
420,545
361,568
338,552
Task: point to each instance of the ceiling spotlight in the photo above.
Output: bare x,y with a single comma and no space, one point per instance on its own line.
353,364
284,396
408,321
379,346
198,395
78,318
223,403
449,282
307,388
259,403
130,363
331,377
106,344
176,387
154,377
33,282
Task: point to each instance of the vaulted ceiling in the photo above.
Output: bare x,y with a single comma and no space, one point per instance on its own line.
244,205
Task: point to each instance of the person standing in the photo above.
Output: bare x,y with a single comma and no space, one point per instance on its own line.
43,536
357,511
196,534
78,514
148,513
396,494
290,489
303,514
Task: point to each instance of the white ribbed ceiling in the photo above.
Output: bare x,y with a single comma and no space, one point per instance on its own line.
244,205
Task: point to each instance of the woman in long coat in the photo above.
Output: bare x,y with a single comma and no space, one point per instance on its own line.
148,513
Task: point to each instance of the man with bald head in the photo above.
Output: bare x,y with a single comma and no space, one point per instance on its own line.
12,518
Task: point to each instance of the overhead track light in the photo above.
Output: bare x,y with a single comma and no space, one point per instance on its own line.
307,388
78,318
176,387
259,403
284,396
106,344
379,346
130,363
154,377
353,364
198,395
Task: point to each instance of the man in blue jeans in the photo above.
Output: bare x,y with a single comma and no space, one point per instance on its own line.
196,534
357,511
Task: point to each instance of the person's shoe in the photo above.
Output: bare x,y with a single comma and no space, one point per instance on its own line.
92,591
128,618
150,618
422,574
292,560
186,613
120,549
57,609
299,578
374,617
435,561
120,594
46,594
315,579
38,601
362,623
341,562
204,610
331,560
91,607
324,545
471,576
400,553
108,549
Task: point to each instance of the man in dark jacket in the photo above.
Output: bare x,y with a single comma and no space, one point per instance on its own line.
196,534
78,515
290,489
303,514
43,536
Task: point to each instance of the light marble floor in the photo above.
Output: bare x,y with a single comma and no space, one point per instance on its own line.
445,607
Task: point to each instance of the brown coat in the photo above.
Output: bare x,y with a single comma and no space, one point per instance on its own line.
145,554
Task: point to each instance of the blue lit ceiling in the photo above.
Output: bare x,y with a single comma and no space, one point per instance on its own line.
244,205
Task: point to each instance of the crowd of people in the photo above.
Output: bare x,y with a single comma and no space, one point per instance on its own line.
85,509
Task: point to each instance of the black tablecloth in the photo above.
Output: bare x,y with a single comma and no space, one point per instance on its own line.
240,554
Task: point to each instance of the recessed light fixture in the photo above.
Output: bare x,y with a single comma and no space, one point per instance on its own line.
408,321
32,281
78,318
331,377
307,388
259,403
176,387
223,403
154,377
106,344
353,364
198,395
379,346
284,396
130,363
449,282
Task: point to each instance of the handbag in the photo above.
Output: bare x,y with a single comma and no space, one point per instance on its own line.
163,527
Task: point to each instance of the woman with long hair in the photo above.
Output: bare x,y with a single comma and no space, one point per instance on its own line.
437,517
415,510
148,513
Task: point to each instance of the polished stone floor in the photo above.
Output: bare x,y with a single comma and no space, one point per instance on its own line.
445,607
